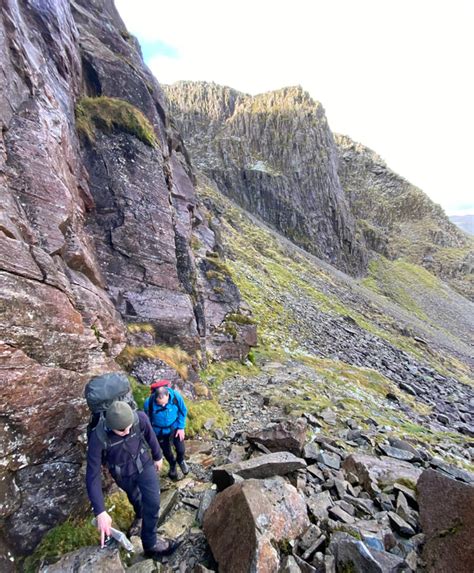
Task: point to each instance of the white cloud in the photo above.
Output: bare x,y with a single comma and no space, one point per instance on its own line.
394,75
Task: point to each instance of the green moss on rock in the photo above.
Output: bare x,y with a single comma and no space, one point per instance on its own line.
109,114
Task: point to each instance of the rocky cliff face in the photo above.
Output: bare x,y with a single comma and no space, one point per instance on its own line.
274,155
97,223
398,220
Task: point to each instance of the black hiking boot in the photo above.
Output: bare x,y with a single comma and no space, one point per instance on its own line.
136,527
161,548
173,474
184,467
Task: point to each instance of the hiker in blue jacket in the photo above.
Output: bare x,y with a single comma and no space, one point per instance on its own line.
133,457
167,412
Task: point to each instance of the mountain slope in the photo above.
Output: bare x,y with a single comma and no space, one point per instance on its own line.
399,221
275,155
305,308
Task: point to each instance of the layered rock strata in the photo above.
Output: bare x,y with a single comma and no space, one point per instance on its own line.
273,154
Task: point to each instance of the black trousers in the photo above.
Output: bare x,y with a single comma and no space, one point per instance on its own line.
143,492
166,443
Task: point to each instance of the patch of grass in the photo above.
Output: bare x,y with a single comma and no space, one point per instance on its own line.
171,355
135,327
399,281
109,114
140,392
240,318
217,372
199,412
78,532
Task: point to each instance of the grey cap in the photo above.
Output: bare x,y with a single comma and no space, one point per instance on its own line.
119,416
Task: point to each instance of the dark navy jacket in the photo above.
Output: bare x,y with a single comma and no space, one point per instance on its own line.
118,455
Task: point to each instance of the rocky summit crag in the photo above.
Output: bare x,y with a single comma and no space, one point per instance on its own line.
116,252
275,155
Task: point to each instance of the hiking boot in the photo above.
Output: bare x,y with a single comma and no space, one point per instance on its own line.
184,467
161,548
136,527
173,474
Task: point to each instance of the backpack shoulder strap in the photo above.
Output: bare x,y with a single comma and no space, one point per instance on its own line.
173,394
151,399
101,432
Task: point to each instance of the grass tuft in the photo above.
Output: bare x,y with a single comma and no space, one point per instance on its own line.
109,114
170,355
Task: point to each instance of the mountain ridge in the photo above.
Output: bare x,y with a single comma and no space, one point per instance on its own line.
383,212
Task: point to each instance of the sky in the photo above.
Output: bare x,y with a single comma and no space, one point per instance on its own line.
394,75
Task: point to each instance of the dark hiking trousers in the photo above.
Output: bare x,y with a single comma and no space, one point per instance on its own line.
143,492
167,448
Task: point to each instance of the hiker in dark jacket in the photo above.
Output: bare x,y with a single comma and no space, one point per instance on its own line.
128,460
167,412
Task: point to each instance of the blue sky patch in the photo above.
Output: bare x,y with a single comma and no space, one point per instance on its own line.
154,48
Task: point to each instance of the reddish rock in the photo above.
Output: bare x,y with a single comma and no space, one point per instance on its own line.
447,520
92,234
246,522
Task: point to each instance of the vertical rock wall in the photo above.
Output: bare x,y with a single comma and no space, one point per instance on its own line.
274,154
93,233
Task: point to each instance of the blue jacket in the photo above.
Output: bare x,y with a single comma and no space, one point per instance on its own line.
117,455
172,416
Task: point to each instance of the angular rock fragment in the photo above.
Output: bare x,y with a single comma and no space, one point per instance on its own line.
279,463
247,519
287,436
447,520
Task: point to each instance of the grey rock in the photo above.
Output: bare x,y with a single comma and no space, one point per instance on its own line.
206,500
267,465
338,513
88,559
349,552
287,436
168,500
400,525
330,460
397,453
289,565
319,504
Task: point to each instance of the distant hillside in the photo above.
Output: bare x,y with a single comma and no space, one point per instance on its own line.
464,222
399,221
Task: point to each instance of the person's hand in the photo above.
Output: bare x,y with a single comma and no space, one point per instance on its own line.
104,522
158,465
180,434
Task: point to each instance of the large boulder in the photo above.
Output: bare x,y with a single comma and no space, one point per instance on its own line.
447,520
245,523
87,559
278,463
287,436
374,472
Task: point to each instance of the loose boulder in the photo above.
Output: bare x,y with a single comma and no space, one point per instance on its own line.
374,472
278,463
447,520
245,523
287,436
